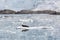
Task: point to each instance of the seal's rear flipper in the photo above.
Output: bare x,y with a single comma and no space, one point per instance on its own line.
25,30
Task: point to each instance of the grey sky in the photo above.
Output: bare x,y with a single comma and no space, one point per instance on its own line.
30,4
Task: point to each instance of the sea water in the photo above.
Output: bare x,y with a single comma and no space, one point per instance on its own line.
9,23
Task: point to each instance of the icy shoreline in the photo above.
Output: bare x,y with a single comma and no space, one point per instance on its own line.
7,11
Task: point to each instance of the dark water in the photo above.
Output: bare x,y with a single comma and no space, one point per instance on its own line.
9,23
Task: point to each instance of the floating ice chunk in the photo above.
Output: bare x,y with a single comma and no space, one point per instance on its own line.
26,20
41,27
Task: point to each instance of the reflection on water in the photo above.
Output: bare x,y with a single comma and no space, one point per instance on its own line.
9,23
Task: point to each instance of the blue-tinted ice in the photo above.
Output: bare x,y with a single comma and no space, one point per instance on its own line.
9,23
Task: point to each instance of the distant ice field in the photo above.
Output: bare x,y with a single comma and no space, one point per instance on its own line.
9,23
